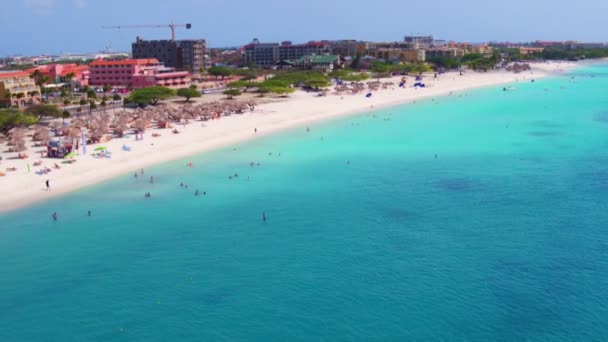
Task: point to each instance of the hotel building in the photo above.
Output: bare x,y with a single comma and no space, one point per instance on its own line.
136,73
18,89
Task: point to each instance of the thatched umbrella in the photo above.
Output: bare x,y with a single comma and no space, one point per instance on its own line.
17,139
140,125
74,134
120,124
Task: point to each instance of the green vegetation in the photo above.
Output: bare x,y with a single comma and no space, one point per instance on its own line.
478,61
445,62
388,68
347,75
231,93
188,93
116,97
45,110
10,119
310,79
220,71
65,115
145,96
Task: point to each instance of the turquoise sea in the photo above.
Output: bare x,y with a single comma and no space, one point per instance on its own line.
482,216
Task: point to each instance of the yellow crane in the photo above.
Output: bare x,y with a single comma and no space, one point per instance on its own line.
172,26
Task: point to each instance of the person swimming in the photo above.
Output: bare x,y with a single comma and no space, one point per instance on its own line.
196,193
89,213
264,216
151,179
54,216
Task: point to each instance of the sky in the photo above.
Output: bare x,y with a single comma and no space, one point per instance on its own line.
32,27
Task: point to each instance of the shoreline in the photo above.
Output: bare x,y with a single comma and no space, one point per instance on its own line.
21,188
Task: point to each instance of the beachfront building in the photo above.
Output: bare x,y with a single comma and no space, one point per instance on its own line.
348,48
324,63
261,54
136,73
269,54
287,50
530,50
160,76
180,54
64,73
18,89
444,52
419,42
398,54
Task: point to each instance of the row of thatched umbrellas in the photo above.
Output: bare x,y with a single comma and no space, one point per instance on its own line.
358,87
101,125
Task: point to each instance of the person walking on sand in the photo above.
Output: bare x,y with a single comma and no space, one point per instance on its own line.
48,185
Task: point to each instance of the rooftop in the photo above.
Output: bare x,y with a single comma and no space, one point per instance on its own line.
11,74
141,61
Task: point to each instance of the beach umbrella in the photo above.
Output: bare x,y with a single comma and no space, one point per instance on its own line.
70,155
100,148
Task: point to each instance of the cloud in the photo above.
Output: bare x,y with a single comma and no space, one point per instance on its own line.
80,3
42,7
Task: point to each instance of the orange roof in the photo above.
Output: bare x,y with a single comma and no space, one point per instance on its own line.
11,74
142,61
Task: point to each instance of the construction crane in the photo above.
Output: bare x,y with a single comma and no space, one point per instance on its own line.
172,26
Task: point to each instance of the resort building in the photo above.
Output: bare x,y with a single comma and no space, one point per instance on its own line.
160,76
419,42
446,52
348,48
64,73
323,63
18,89
180,54
530,50
137,73
399,55
261,54
269,54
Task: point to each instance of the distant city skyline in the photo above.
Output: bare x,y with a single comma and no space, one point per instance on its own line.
34,27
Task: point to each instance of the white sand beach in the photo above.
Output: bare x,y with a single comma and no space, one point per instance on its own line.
22,187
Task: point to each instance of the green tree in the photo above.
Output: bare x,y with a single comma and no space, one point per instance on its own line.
10,119
282,91
91,94
92,106
188,93
231,93
151,95
219,71
45,110
65,115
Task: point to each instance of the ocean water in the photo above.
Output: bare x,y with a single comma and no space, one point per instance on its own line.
482,216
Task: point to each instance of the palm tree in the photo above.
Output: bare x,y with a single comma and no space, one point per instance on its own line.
68,78
64,116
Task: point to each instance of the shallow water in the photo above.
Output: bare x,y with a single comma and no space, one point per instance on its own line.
502,236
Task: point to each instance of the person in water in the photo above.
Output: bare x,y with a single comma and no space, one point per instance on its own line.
264,216
151,179
54,216
89,213
196,193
